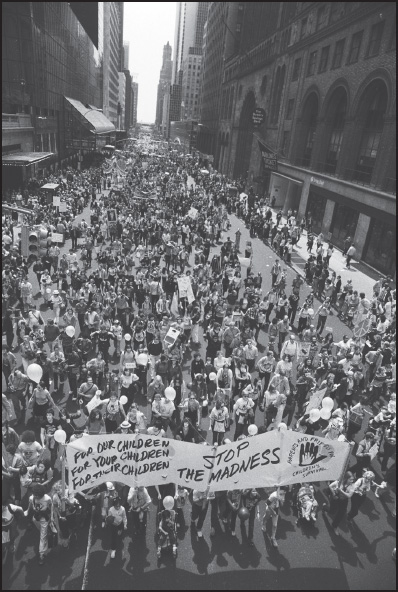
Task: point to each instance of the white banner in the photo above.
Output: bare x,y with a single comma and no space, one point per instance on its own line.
268,460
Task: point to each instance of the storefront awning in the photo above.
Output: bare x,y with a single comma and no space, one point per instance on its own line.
24,158
99,124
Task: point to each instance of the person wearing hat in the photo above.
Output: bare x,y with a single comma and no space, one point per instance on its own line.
55,303
124,428
107,498
363,454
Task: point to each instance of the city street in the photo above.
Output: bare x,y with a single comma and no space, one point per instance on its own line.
307,558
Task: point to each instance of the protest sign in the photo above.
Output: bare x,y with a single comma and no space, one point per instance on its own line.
244,261
315,401
57,237
56,200
266,460
193,213
63,206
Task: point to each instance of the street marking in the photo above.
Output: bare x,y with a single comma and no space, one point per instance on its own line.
89,543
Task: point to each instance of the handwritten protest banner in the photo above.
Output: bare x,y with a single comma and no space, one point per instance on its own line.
267,460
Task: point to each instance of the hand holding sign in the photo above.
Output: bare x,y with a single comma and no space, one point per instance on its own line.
309,454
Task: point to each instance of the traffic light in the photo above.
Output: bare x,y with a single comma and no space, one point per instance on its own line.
33,244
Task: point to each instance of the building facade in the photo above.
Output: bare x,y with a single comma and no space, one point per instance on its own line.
164,86
112,57
122,101
134,92
325,77
50,51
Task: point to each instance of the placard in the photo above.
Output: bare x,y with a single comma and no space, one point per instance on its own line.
57,237
56,200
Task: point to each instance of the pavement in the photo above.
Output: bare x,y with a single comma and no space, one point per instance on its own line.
307,558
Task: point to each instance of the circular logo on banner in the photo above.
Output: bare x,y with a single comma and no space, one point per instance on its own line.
258,116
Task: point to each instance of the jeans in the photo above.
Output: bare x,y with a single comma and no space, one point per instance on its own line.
356,502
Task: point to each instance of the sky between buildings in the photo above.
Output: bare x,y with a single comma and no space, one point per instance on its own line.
147,27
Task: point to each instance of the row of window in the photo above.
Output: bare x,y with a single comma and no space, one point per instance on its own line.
373,49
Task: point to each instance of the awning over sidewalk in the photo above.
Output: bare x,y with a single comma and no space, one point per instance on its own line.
95,120
24,158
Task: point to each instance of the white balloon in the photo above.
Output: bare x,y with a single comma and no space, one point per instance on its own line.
327,403
227,441
325,413
127,337
70,331
252,430
34,372
315,414
212,376
60,436
170,393
168,502
282,426
311,312
123,399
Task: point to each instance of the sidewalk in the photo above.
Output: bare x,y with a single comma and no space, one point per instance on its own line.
362,281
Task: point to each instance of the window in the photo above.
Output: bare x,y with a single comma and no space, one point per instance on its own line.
296,69
285,143
263,86
290,107
355,47
311,63
303,27
322,14
323,62
375,39
344,223
380,251
338,53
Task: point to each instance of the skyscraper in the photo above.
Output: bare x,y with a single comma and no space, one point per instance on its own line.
188,41
126,51
112,58
164,82
134,86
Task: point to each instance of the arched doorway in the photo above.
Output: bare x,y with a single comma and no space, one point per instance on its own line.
370,116
245,137
335,121
307,130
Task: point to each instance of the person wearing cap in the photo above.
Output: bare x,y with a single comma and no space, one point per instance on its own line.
363,453
55,303
107,498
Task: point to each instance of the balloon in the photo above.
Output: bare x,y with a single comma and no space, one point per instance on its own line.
327,403
170,393
123,399
243,514
311,312
70,331
282,426
168,502
127,337
252,430
205,402
325,413
315,414
212,376
60,436
35,372
341,438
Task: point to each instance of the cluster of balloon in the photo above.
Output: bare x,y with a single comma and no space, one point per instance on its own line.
168,502
243,514
70,331
315,414
170,393
212,376
327,407
252,430
35,372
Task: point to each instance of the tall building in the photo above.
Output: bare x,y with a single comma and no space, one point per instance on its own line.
128,106
220,42
324,74
164,83
126,55
134,87
188,41
112,57
51,86
122,101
